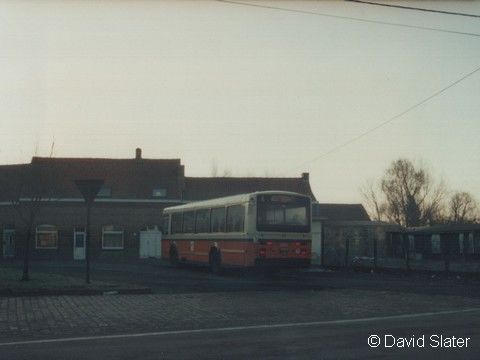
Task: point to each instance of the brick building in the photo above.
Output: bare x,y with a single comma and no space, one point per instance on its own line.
134,194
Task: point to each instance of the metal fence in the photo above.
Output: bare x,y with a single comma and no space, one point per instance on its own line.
380,247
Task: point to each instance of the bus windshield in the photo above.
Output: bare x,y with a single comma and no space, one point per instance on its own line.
283,213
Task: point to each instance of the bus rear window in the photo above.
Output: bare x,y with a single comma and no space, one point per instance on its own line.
283,213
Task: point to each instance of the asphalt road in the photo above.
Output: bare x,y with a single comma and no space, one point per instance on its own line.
328,340
194,314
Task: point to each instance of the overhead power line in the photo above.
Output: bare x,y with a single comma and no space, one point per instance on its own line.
414,8
257,5
348,142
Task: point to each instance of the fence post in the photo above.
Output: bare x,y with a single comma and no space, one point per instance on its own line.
446,254
375,252
322,245
347,246
406,252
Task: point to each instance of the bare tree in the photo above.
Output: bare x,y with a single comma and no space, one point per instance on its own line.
227,173
406,195
214,168
26,188
376,209
463,208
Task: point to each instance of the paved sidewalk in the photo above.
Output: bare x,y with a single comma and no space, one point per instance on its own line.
27,318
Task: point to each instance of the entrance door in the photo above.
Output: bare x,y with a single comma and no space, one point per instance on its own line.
8,243
150,243
79,245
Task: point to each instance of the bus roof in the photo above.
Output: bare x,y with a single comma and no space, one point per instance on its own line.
227,200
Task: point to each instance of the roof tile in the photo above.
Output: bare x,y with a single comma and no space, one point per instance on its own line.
204,188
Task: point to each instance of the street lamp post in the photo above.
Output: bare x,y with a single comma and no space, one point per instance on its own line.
89,189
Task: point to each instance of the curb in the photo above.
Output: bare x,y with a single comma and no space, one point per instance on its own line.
74,292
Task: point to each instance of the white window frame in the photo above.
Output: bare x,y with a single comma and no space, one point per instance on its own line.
105,230
162,191
104,192
37,232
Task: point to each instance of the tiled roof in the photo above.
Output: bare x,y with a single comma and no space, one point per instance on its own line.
204,188
136,178
10,183
127,178
340,212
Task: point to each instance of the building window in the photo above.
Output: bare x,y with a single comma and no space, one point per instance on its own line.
202,221
188,222
112,238
8,241
235,218
159,192
474,238
46,237
411,244
467,243
218,220
104,191
436,245
461,243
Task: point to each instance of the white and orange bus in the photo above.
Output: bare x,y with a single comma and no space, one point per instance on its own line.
267,228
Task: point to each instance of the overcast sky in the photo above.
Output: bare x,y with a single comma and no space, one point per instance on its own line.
255,90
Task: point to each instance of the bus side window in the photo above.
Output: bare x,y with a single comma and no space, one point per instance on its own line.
188,222
202,221
235,218
165,225
218,220
176,223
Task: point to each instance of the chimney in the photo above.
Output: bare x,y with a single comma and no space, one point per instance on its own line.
138,153
305,176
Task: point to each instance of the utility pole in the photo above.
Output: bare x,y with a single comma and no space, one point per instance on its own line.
89,189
